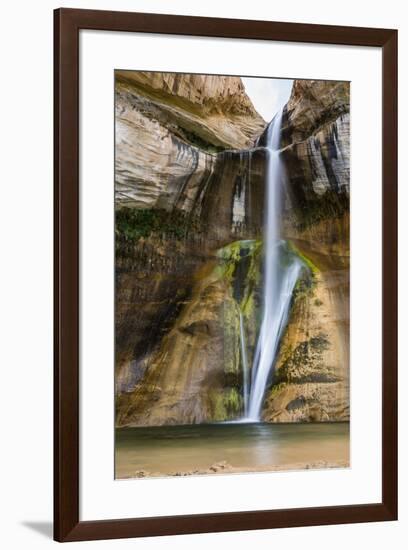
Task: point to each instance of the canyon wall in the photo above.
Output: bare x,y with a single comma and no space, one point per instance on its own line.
190,190
311,381
168,128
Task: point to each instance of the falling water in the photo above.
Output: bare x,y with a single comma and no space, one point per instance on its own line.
245,366
279,281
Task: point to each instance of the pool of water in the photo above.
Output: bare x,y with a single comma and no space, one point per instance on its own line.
175,450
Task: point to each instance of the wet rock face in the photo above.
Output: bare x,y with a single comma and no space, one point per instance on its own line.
193,373
184,379
153,280
311,380
158,164
189,182
158,251
152,165
316,152
320,163
231,206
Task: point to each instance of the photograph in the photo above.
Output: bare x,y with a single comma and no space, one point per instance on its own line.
232,258
201,218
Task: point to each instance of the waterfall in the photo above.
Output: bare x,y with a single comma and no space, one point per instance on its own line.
279,281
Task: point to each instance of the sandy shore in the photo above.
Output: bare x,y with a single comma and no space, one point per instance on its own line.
225,468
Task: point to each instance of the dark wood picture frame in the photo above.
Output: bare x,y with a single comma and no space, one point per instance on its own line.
67,24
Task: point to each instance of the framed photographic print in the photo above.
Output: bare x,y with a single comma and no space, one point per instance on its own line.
225,274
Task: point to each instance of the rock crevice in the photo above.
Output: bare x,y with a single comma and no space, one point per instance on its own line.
190,194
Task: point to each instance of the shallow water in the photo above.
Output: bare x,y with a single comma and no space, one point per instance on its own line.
167,450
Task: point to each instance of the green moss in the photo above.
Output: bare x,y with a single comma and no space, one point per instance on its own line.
131,224
305,259
219,414
306,283
233,401
231,336
248,306
305,363
319,342
240,266
304,286
226,404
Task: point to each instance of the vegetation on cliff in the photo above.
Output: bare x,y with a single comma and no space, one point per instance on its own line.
189,252
131,224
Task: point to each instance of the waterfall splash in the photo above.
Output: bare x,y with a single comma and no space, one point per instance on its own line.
279,281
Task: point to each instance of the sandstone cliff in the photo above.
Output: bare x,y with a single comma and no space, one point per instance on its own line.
189,197
195,374
168,128
311,379
180,197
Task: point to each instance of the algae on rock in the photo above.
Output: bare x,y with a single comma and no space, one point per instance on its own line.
189,221
311,378
195,374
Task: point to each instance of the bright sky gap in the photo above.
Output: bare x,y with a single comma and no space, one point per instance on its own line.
268,95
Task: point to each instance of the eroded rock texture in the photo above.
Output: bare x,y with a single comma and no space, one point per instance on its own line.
168,128
195,373
311,381
190,193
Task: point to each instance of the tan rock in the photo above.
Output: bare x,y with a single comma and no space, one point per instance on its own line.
311,380
171,345
215,108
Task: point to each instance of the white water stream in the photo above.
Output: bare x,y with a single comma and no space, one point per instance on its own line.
279,282
245,366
